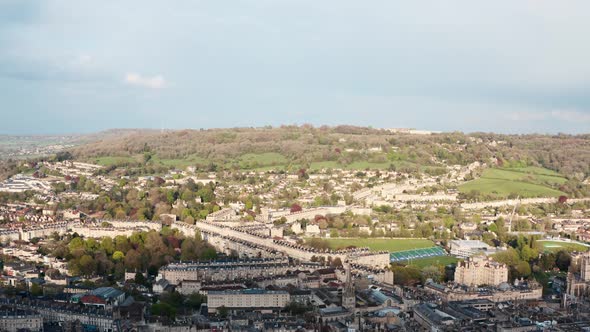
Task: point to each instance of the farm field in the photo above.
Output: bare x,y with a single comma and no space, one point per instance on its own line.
434,261
526,182
561,245
390,245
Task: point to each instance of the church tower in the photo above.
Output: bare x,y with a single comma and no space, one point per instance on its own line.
585,267
348,296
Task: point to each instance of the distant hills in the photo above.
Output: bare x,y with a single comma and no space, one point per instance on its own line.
340,146
311,147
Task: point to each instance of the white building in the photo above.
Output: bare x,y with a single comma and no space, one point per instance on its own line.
468,248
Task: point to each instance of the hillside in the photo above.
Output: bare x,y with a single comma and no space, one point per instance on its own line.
342,146
526,182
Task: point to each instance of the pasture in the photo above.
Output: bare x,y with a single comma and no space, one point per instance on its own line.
526,182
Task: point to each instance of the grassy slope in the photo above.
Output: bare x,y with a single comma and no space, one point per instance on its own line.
527,182
180,163
382,244
267,158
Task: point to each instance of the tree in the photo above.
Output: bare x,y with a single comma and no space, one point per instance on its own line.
63,155
563,260
406,275
296,208
222,312
432,272
140,279
509,257
164,309
118,256
133,260
36,290
547,261
522,269
336,262
107,245
188,250
209,254
195,300
87,265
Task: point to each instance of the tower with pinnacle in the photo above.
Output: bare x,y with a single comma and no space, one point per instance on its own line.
348,296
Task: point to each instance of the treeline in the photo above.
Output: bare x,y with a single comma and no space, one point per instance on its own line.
191,201
567,154
140,252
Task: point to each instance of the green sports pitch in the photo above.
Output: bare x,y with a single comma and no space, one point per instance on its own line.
391,245
556,245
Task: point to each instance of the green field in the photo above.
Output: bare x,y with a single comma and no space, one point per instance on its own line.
434,261
180,163
260,160
526,182
559,245
535,170
381,244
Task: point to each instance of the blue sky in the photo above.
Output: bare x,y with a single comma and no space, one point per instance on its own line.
509,66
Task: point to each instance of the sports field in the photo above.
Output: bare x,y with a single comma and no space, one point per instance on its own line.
434,261
549,245
526,182
390,245
409,255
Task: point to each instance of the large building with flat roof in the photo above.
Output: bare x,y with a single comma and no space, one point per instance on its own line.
468,248
248,299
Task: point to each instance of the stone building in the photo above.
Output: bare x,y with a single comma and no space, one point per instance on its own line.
12,320
248,299
481,271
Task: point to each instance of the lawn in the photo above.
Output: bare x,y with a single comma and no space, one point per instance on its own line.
526,182
382,244
434,261
561,245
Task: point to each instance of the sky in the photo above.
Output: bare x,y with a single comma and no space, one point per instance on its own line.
508,66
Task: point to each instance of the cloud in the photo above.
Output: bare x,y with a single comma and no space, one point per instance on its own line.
526,116
154,82
82,60
571,115
566,115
